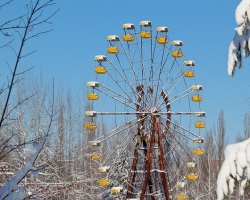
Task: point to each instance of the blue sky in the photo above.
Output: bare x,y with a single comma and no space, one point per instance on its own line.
206,27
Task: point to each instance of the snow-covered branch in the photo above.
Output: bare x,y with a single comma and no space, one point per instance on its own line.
236,167
240,44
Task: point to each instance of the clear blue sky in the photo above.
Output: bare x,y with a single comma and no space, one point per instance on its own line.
206,27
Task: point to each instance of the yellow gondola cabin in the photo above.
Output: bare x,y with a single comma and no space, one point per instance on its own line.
145,29
95,156
177,52
113,39
128,38
162,35
129,32
188,74
113,50
104,182
200,124
192,176
90,126
93,96
197,98
181,196
100,69
198,151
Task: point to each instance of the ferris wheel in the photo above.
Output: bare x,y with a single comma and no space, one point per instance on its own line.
146,95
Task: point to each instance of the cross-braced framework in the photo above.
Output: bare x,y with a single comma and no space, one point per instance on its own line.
150,102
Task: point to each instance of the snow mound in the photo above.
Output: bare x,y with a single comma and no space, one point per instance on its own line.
237,158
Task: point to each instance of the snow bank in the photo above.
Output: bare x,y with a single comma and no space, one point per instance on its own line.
237,157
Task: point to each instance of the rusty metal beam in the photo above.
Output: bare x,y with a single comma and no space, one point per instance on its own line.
148,161
161,161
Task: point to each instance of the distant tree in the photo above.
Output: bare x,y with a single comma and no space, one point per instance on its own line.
220,136
209,168
246,123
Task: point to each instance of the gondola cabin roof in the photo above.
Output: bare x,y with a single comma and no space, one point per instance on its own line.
93,84
181,184
113,38
177,43
145,23
94,143
100,58
90,113
191,164
162,29
128,26
197,87
103,169
189,63
198,140
116,190
200,114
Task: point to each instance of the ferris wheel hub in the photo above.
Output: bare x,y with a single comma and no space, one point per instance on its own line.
154,111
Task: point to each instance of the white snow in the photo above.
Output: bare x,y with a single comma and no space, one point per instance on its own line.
240,11
237,157
11,190
242,14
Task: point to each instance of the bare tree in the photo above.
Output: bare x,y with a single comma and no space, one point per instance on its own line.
246,123
15,35
220,136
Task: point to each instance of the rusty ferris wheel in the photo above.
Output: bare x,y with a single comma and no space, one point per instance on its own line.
152,97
